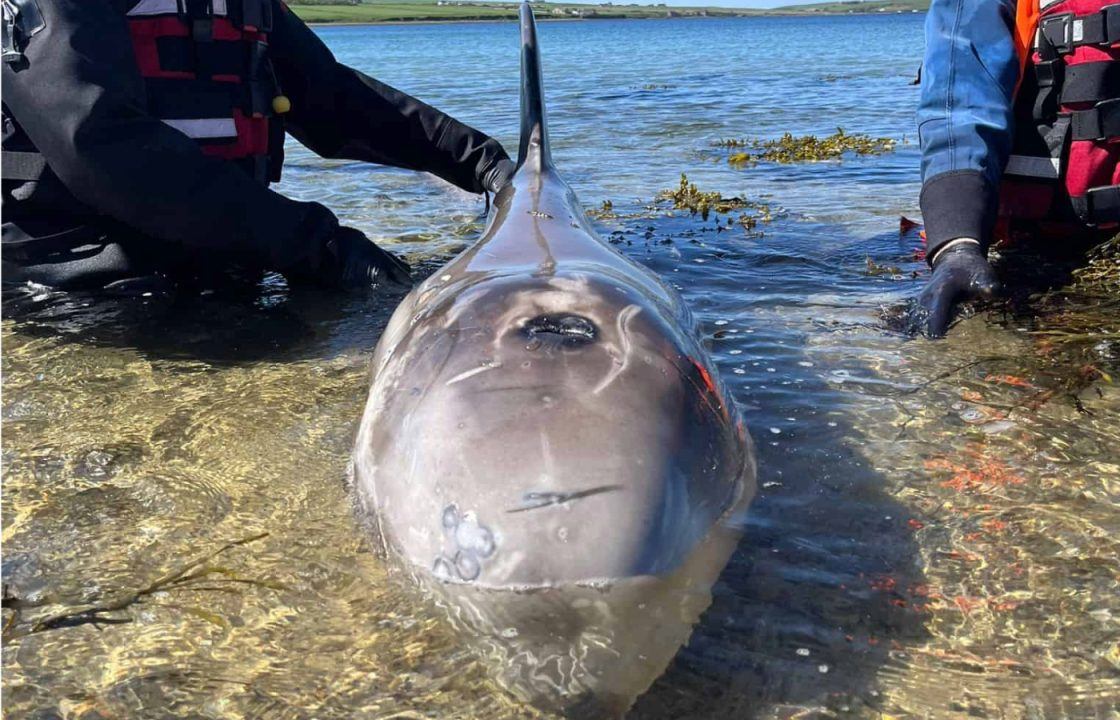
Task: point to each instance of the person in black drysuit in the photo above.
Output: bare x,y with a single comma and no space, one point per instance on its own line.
122,196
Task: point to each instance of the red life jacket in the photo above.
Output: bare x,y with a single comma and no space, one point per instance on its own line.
1065,159
207,74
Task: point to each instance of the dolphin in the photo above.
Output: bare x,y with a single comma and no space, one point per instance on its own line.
547,450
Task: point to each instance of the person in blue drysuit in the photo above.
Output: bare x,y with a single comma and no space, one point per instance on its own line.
964,126
1019,119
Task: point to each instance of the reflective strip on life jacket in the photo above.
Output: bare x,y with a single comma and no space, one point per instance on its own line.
206,70
1035,167
205,128
172,7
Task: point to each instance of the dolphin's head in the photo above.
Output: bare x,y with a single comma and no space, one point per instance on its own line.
552,456
550,415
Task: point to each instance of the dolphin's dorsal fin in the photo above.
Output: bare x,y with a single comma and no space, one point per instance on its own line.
534,150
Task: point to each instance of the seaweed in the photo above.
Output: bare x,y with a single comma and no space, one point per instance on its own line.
790,149
686,196
99,613
603,212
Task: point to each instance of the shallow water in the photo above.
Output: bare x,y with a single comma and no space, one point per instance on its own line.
936,529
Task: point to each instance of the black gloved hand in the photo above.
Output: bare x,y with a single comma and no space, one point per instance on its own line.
960,273
352,261
498,176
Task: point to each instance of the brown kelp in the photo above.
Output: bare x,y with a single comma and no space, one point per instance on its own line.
687,196
806,148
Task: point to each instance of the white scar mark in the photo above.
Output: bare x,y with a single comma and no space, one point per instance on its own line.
623,323
546,456
471,373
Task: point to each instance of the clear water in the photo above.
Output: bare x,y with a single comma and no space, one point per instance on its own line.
936,533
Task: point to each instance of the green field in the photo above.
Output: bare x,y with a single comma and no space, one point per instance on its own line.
375,11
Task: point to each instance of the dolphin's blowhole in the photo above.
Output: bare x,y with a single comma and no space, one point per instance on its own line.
560,329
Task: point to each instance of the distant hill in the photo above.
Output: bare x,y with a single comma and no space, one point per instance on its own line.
858,6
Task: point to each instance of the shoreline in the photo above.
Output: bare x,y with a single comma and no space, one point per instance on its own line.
513,18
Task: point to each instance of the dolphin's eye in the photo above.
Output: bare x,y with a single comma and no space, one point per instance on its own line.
560,328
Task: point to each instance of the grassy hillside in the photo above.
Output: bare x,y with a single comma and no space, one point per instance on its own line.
434,10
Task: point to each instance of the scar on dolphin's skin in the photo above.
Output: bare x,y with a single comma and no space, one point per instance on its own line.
537,500
473,543
619,366
492,365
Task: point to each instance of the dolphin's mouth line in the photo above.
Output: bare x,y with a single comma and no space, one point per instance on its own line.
537,500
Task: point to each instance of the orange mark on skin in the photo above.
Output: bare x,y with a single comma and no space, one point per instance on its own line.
705,376
994,526
971,396
713,390
915,524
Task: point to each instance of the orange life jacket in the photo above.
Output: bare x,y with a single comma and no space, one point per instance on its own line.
1065,158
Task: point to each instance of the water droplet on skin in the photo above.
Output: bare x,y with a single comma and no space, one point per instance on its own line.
526,364
735,352
562,533
739,371
510,632
721,322
805,363
470,536
450,517
822,668
442,569
803,652
776,431
467,565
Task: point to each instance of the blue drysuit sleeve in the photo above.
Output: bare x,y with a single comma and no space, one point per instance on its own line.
965,115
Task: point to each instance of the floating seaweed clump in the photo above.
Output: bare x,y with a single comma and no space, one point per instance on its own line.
686,196
604,211
790,149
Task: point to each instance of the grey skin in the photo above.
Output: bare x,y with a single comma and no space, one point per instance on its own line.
547,448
